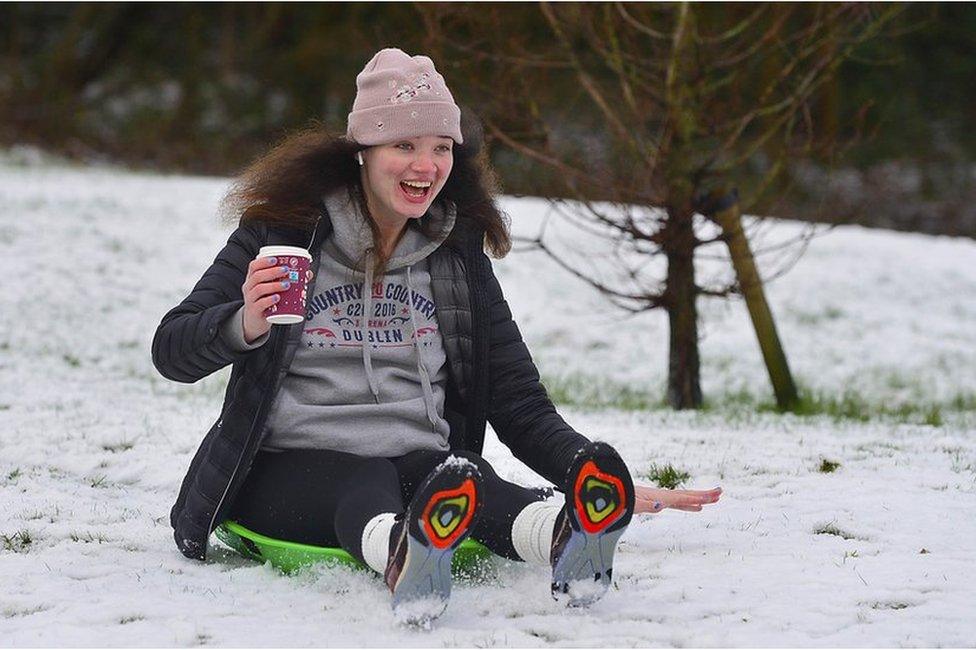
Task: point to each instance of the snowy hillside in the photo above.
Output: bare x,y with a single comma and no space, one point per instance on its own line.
879,552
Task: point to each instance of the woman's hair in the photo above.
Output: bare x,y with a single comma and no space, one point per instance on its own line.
285,186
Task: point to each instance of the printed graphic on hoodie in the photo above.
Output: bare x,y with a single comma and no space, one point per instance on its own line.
334,317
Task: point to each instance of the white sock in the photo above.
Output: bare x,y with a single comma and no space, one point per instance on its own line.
376,541
532,531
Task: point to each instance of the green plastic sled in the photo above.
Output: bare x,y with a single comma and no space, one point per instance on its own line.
470,558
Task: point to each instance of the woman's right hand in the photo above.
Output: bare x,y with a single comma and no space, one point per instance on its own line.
653,500
260,291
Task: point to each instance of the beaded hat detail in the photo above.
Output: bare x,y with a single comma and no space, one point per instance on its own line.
401,96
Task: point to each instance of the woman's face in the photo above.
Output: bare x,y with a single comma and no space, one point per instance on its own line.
403,178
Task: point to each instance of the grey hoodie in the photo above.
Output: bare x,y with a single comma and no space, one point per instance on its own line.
385,398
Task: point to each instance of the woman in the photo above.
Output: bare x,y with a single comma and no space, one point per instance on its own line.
362,427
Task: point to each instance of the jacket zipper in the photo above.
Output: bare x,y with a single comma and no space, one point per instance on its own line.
280,341
244,453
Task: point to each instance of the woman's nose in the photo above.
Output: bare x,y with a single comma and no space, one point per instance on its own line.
423,163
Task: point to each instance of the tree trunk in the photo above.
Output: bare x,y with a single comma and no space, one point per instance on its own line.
684,387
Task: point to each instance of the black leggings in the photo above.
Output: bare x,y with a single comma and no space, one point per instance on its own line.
326,498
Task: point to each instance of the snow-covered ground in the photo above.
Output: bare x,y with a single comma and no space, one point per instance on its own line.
93,444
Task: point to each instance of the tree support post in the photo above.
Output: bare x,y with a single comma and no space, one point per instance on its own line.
723,209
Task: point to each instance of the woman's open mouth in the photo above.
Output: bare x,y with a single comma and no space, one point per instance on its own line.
415,191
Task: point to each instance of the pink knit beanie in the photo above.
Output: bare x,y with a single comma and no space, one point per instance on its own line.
401,96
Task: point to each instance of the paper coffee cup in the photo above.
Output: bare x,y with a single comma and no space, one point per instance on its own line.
291,308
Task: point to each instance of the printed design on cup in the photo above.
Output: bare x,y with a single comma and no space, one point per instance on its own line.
291,305
294,276
334,317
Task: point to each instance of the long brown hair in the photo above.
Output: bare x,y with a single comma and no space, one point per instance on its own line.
285,186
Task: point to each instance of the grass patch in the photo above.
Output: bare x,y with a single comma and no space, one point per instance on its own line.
854,406
12,476
71,360
827,466
118,447
963,402
817,318
125,620
850,405
29,611
666,476
594,393
87,538
98,481
890,605
19,542
960,463
831,529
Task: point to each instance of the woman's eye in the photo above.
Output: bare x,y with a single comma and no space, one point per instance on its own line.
405,146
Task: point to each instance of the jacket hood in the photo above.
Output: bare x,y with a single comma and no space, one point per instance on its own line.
352,237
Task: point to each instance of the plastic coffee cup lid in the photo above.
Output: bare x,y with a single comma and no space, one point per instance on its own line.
286,251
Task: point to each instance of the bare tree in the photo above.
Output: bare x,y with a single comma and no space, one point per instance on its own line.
650,115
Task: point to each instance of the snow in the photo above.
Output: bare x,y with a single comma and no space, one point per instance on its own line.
419,614
94,443
456,462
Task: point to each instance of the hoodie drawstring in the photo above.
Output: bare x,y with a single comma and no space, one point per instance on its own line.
421,368
364,326
367,359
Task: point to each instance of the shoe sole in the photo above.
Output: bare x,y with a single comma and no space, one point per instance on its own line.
449,514
599,509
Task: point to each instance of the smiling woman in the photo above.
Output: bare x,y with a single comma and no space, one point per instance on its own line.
362,427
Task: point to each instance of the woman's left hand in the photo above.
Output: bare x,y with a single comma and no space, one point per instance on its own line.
652,500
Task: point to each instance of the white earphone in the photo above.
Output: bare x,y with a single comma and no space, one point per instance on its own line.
359,157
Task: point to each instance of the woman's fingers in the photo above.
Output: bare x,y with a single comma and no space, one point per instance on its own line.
704,496
259,289
261,264
685,497
264,276
264,269
264,288
687,500
714,492
652,500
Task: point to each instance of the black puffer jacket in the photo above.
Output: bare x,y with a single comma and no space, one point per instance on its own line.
491,375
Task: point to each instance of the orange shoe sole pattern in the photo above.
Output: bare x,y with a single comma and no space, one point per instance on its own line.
440,517
599,506
448,514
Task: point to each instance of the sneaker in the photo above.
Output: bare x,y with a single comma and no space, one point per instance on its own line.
441,515
599,505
